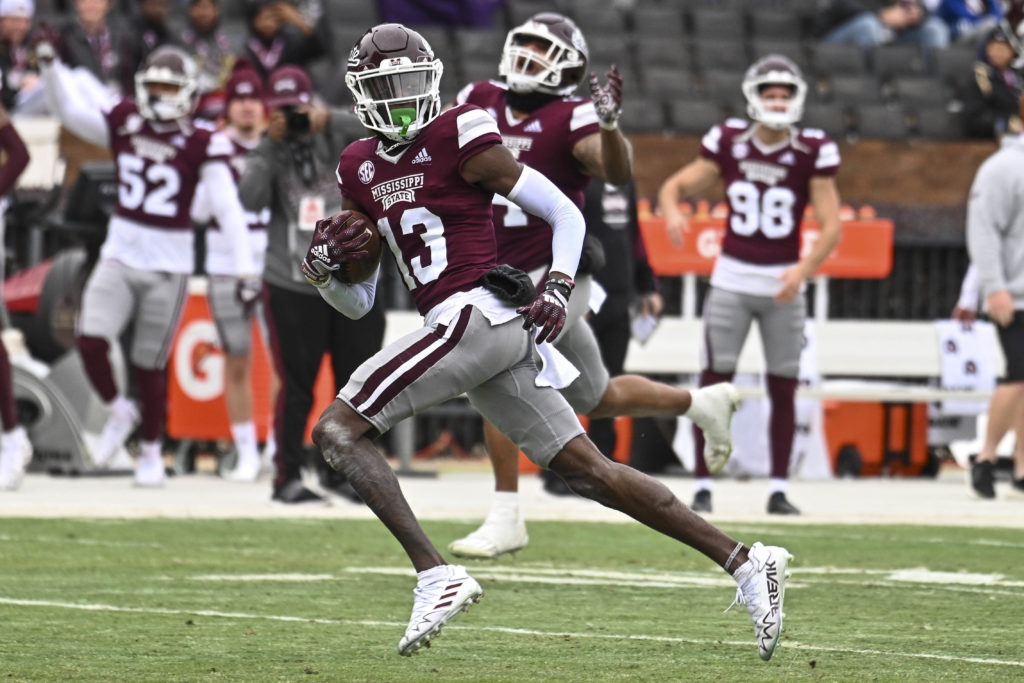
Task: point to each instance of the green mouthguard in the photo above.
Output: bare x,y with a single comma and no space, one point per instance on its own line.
405,116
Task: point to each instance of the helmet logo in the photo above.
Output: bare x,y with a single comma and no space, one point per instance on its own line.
577,40
366,171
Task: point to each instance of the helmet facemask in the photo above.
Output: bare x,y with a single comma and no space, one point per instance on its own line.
399,98
759,110
557,68
165,106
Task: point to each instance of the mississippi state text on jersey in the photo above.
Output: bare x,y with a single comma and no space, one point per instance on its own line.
158,165
767,187
437,225
544,141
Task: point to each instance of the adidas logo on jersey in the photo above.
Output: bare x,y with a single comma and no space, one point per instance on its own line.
320,252
533,127
422,157
788,159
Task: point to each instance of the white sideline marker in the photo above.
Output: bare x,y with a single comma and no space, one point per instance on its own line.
499,629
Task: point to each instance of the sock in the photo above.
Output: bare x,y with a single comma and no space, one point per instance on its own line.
150,450
702,483
776,485
97,366
438,573
782,424
505,505
8,413
153,397
244,434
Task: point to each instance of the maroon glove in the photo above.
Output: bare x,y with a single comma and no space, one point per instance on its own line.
547,312
607,98
336,240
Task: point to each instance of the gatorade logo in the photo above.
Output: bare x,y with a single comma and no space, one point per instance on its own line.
709,243
198,362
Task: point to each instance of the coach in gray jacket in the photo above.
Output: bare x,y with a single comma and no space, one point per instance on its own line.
293,168
995,240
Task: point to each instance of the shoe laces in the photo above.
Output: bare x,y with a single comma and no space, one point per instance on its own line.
758,560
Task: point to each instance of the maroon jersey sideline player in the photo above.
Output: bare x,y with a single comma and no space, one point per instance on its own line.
770,169
160,156
426,179
568,139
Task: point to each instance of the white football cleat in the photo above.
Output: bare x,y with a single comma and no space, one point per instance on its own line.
245,471
762,589
499,534
150,472
438,600
711,409
123,418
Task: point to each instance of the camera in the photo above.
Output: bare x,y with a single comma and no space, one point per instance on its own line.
298,121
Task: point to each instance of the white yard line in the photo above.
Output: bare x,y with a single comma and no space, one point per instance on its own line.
92,607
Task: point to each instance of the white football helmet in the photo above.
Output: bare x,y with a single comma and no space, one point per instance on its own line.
395,80
774,70
167,65
557,71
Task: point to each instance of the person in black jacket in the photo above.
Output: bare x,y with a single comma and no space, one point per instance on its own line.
990,100
92,40
279,34
627,278
147,31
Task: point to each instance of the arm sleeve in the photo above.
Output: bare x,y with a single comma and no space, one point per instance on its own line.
17,158
80,116
352,301
255,187
990,209
969,295
226,207
537,195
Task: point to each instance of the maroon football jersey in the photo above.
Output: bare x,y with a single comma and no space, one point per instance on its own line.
767,188
438,226
544,141
158,165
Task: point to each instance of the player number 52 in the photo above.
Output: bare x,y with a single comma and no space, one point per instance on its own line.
133,177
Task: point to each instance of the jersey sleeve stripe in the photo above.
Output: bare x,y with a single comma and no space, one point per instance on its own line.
583,115
473,124
828,155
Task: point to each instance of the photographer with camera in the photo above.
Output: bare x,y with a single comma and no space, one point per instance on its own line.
294,167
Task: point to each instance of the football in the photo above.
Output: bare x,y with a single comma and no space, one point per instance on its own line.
362,269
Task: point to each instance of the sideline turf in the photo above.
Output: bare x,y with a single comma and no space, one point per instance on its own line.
861,622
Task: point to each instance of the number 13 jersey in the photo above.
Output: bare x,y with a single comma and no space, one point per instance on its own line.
438,226
767,189
158,167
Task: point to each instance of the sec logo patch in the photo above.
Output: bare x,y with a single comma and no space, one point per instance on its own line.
366,171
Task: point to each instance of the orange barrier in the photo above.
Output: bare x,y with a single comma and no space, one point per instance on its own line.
864,251
195,381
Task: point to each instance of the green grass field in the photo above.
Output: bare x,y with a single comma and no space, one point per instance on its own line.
246,600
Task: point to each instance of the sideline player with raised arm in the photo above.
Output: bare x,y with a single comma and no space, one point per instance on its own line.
160,156
770,169
245,119
427,179
567,139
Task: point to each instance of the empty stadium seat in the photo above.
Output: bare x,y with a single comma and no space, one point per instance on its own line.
828,117
760,47
838,60
889,61
915,91
610,52
361,14
776,24
521,10
854,89
643,115
484,44
474,69
672,52
939,124
880,122
667,84
717,23
723,85
694,117
719,54
600,21
955,66
658,22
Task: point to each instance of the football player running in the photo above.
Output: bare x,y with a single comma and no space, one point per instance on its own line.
568,139
147,257
426,179
245,119
770,169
